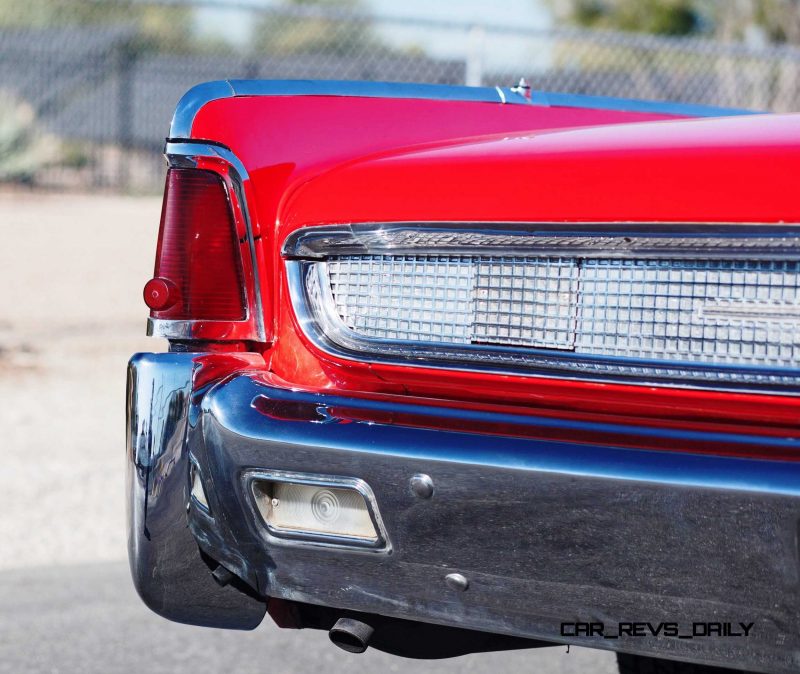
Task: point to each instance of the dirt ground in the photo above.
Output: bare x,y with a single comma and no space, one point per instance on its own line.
71,314
71,272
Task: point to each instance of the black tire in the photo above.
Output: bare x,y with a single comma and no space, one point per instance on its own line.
639,664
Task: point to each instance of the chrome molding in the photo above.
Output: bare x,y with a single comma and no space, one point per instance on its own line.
192,101
186,155
293,538
558,99
168,573
312,300
198,96
607,240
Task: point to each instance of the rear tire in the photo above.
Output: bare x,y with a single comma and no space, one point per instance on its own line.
639,664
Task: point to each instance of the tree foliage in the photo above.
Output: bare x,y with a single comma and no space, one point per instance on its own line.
777,20
335,27
660,17
167,27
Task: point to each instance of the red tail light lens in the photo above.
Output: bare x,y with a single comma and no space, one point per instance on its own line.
198,274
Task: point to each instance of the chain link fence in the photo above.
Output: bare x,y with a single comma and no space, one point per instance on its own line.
87,92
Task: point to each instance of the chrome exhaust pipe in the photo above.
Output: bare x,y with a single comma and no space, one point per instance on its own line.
351,635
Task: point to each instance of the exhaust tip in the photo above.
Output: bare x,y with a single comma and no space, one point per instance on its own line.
351,635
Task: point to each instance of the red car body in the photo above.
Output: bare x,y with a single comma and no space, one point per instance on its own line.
297,157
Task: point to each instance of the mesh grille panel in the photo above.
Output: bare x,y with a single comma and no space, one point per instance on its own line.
412,298
524,302
715,312
690,310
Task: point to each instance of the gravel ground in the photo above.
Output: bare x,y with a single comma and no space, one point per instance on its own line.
71,272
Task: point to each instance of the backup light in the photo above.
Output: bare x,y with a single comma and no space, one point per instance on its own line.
317,510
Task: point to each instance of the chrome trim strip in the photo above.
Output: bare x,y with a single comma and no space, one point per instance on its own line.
301,537
185,330
198,96
348,430
192,101
326,331
185,155
607,240
361,89
566,100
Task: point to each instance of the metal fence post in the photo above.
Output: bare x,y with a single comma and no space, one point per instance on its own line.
126,57
475,39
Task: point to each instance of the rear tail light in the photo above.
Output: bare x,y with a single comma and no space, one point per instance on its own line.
198,271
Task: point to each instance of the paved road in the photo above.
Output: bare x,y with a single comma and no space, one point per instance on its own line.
87,618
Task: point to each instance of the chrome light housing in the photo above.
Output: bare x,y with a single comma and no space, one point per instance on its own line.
684,304
327,510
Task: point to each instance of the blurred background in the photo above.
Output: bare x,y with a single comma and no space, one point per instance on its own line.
87,87
87,90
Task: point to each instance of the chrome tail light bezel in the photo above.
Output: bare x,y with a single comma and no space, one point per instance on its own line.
227,166
307,251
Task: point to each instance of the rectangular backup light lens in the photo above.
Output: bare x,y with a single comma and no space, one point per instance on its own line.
651,305
315,511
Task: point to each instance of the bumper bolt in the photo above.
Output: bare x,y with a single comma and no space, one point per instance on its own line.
422,485
456,581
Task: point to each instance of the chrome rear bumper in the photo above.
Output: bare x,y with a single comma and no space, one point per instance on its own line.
548,534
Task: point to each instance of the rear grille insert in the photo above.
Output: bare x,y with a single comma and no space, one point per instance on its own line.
714,307
459,299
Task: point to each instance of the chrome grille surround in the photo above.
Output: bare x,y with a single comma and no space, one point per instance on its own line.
687,305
